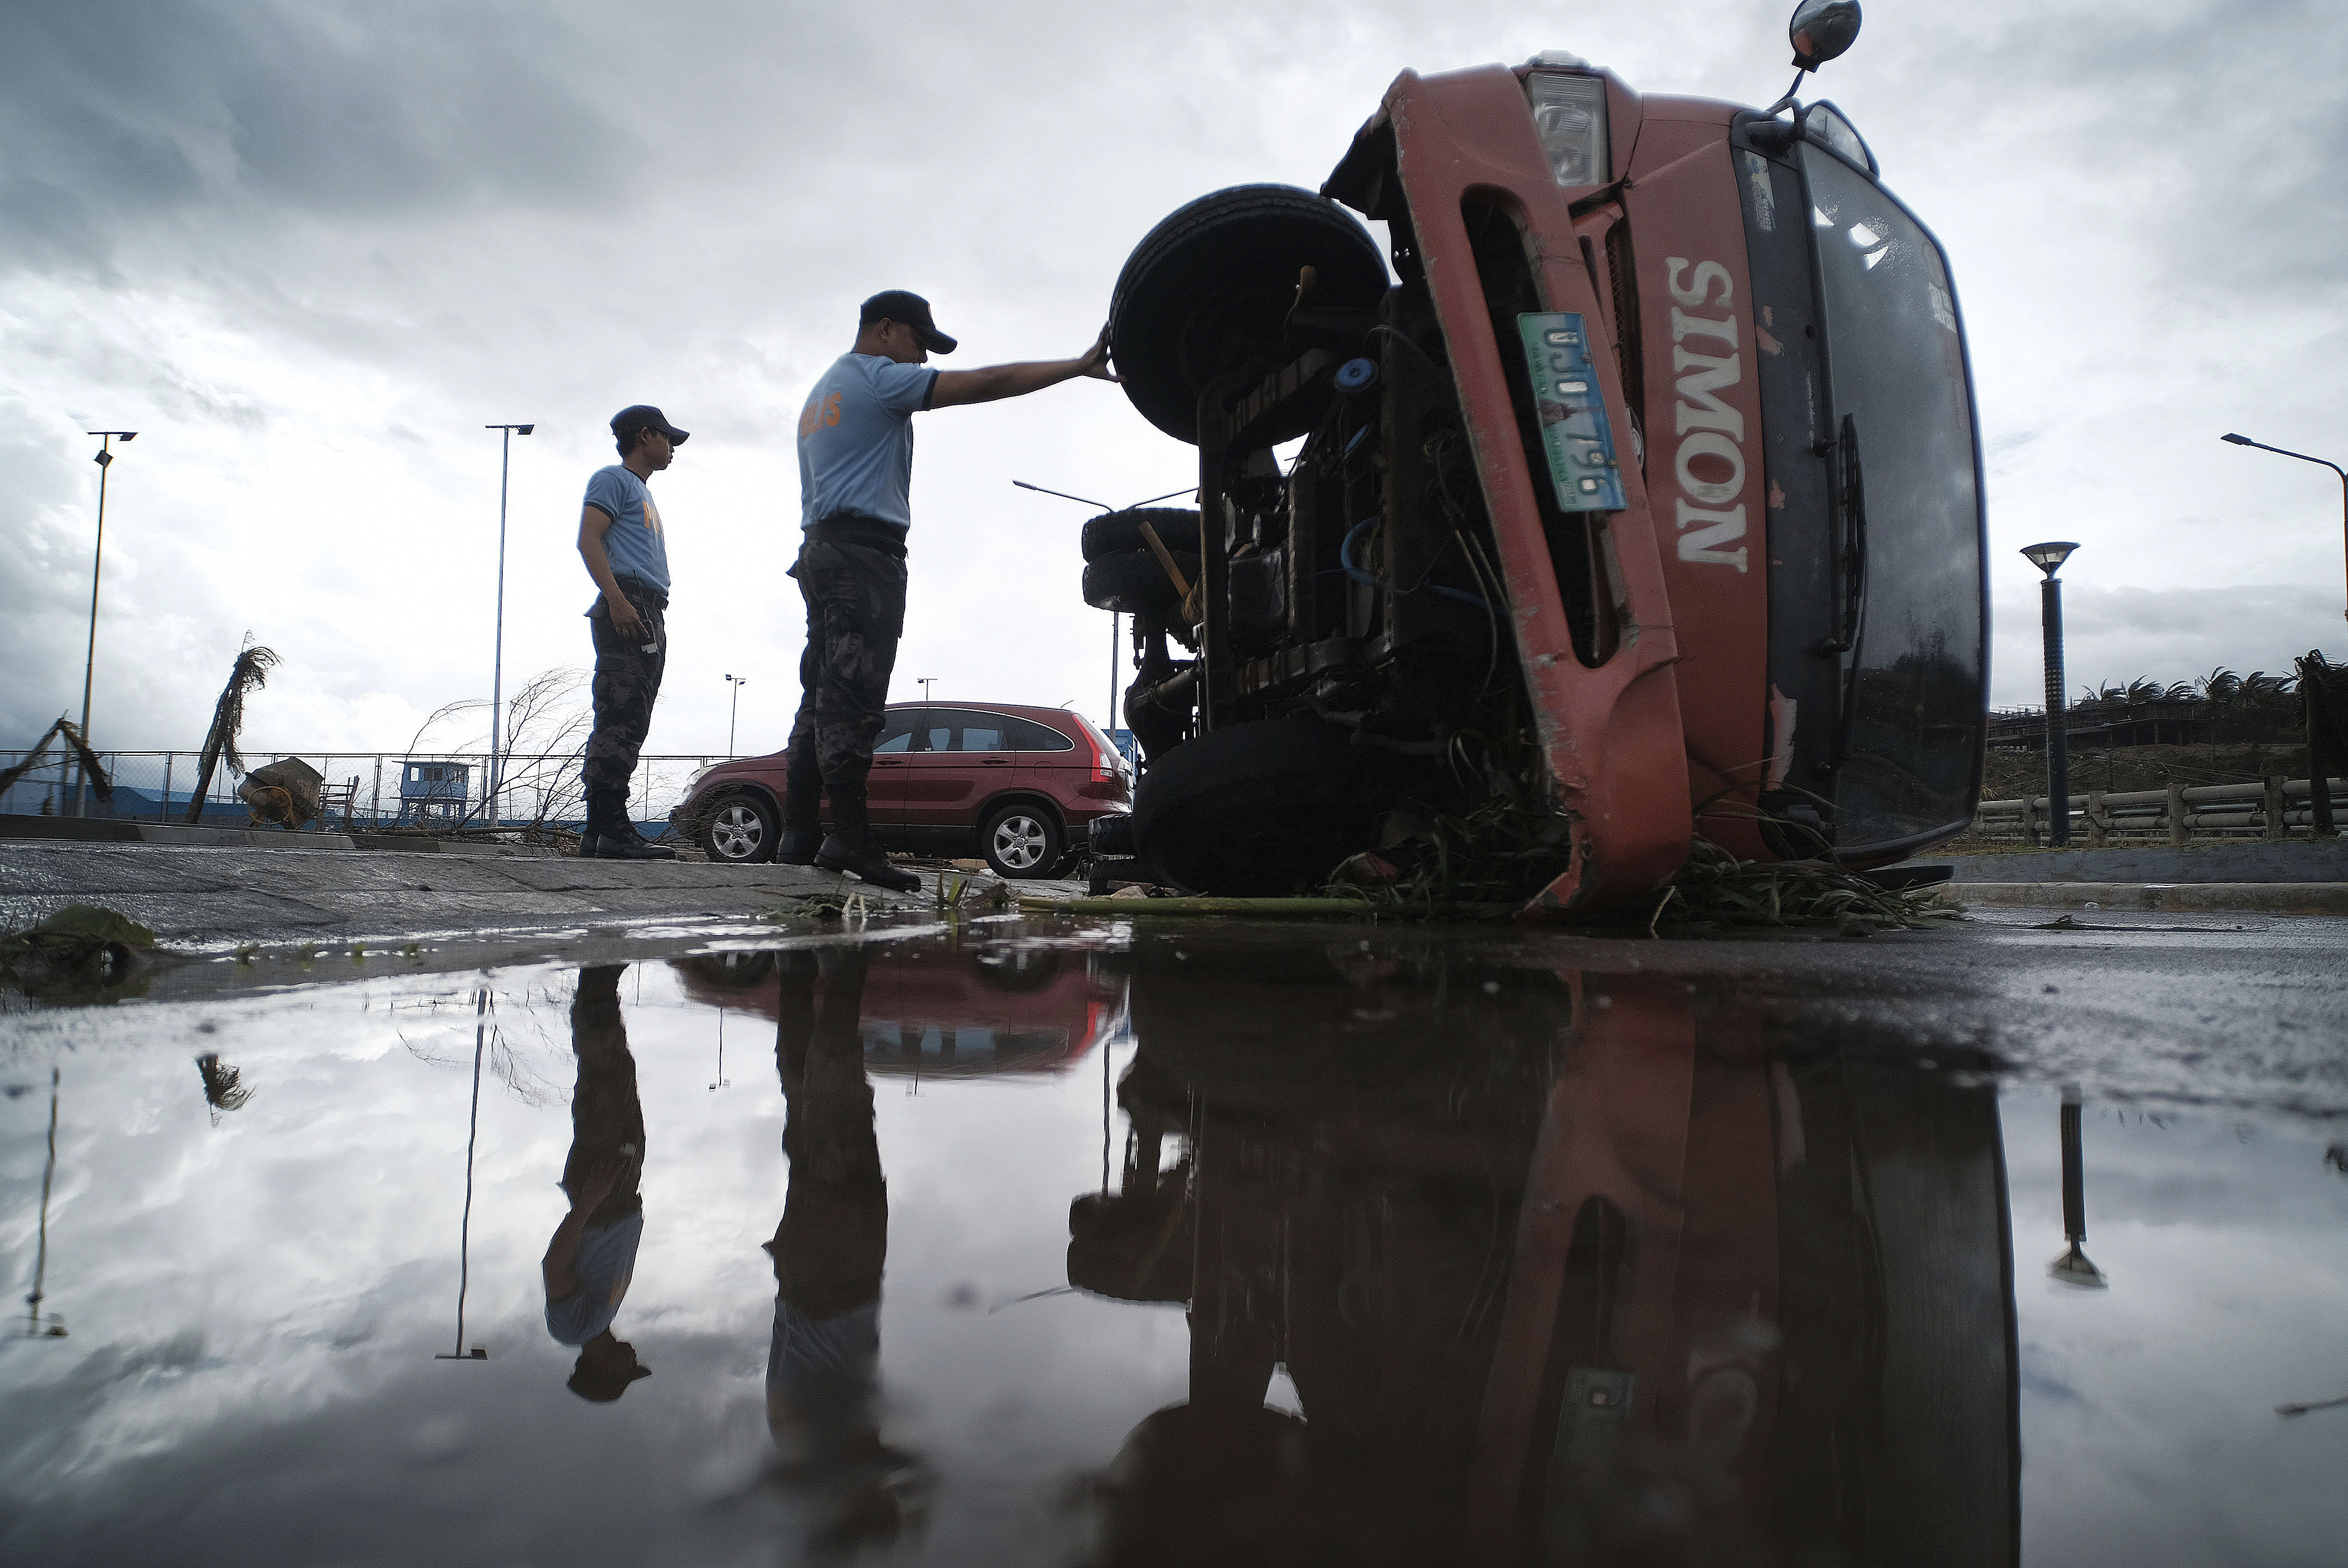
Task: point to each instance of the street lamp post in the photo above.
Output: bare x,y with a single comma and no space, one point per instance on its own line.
105,460
2282,452
2049,559
733,706
498,659
925,682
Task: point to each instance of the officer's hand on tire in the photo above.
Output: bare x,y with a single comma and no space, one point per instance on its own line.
1097,358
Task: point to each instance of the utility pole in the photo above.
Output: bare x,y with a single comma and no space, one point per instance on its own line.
105,460
498,659
733,707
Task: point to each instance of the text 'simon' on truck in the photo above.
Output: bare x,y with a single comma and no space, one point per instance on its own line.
1649,469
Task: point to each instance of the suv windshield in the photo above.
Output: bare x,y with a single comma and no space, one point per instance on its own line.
1896,369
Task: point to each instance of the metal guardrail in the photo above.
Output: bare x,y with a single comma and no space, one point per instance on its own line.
2276,808
537,789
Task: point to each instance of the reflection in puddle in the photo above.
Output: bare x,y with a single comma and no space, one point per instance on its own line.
1212,1246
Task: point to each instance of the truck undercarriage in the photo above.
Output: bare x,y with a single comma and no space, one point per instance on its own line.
1570,506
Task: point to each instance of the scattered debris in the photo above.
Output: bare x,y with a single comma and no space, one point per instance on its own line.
77,946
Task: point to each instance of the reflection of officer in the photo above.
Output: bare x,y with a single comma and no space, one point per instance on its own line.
592,1256
823,1368
856,468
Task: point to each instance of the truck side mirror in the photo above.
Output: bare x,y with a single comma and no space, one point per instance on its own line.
1822,30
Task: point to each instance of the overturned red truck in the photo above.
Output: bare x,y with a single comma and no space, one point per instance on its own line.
1649,466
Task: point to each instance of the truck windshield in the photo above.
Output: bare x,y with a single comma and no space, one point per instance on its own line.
1896,367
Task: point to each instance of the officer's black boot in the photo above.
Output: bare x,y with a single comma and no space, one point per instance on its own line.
620,840
849,847
802,826
591,833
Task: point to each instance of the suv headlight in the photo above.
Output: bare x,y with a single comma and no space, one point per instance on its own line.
1569,113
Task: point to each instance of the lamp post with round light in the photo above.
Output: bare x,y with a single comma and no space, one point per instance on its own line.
733,706
2282,452
497,661
105,461
2049,559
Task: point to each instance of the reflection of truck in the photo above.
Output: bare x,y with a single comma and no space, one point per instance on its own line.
1649,472
1591,1271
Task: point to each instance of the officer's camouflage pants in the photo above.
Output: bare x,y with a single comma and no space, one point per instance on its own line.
627,681
855,613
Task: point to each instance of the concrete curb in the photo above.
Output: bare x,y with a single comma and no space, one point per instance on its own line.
2183,898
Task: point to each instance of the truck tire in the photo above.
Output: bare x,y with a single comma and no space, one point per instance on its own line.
1207,292
1254,810
1119,533
1135,583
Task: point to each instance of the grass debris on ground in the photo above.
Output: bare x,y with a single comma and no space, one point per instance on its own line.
79,945
1501,852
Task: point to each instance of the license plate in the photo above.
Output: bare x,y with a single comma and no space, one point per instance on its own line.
1575,435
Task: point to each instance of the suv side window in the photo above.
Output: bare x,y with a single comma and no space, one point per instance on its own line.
1027,735
896,730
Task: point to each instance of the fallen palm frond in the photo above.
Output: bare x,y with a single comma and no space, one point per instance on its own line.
1716,889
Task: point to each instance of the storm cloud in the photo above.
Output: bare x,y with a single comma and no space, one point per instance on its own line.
309,251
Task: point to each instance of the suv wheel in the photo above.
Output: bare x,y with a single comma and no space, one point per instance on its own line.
741,831
1020,840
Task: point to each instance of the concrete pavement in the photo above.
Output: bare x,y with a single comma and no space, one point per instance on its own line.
199,897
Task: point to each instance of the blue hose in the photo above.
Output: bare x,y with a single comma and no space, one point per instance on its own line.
1345,556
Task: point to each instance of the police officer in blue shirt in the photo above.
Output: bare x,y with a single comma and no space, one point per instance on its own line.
626,552
855,466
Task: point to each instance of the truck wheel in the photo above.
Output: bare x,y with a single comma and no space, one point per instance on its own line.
1135,583
740,831
1208,290
1119,533
1022,840
1252,810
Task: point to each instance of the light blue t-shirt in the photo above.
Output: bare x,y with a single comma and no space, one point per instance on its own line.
634,542
856,439
603,1265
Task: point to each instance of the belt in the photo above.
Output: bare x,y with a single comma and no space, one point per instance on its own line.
856,528
637,588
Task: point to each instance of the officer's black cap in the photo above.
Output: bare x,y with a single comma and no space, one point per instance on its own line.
898,305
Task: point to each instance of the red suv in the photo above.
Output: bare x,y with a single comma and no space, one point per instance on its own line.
1018,785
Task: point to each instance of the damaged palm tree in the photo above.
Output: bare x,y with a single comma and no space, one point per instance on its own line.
247,675
65,730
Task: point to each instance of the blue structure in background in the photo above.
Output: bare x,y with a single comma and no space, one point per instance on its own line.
1125,743
433,792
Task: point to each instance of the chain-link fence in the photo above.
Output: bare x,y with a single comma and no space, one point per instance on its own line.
385,789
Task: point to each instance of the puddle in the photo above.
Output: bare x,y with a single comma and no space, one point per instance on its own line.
1195,1248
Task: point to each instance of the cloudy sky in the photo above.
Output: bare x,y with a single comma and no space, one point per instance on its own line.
309,250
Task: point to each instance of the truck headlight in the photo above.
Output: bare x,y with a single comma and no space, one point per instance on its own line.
1823,123
1569,113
